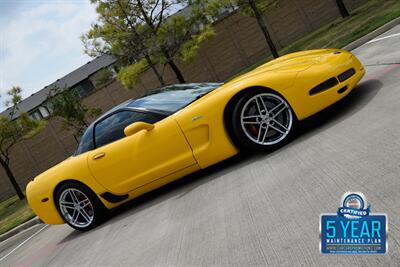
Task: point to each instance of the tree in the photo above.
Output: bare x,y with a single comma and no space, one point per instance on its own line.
139,32
263,26
255,8
129,76
181,35
102,77
12,131
66,104
342,8
117,33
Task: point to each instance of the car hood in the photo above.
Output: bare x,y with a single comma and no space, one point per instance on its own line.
294,62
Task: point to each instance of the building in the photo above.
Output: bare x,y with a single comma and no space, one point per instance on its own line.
81,79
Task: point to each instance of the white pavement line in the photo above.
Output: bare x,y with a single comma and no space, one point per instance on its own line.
383,38
20,245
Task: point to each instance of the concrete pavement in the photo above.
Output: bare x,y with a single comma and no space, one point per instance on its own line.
20,228
261,209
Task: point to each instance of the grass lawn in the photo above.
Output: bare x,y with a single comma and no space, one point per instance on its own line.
13,212
342,32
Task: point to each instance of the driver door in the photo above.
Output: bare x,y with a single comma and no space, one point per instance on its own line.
122,164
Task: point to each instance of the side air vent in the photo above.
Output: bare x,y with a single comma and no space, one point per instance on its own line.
110,197
324,86
346,75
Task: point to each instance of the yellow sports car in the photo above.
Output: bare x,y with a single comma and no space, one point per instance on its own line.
147,142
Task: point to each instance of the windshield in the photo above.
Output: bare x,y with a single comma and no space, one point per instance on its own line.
173,98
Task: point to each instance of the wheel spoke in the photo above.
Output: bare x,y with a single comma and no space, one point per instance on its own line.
262,134
85,215
276,129
280,125
253,119
75,216
276,107
262,104
265,134
73,196
84,203
67,204
274,115
259,134
258,106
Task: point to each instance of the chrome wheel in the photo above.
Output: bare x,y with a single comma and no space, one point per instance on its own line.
76,208
266,119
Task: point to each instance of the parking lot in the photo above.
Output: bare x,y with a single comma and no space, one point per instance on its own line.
257,209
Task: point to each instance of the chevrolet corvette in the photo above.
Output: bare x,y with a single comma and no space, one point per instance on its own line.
147,142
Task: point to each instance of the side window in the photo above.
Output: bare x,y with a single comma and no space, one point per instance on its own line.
112,128
86,142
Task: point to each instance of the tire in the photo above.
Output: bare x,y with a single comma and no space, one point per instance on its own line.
262,120
90,213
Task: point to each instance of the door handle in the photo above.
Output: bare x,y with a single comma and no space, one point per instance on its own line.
98,156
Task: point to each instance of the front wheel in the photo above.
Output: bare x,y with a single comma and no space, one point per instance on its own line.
263,121
79,206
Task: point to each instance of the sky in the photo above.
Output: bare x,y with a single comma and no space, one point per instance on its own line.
39,42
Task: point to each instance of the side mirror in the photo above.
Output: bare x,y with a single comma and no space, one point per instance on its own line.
137,127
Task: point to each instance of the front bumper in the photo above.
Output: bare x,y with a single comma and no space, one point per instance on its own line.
306,102
45,210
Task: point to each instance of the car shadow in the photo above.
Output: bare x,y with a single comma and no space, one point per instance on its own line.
358,98
342,110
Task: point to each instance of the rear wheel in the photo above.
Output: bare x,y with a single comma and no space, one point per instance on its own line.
79,206
262,120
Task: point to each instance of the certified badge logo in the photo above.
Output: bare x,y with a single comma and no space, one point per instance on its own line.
353,229
353,206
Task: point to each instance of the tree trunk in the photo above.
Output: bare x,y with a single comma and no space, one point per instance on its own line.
263,26
342,8
12,179
177,71
138,37
76,139
164,50
151,64
173,66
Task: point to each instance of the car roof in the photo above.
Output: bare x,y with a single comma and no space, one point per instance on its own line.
166,91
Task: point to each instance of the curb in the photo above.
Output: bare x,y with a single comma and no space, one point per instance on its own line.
369,36
20,228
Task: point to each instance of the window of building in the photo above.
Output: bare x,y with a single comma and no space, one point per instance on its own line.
40,113
84,88
223,11
44,111
36,115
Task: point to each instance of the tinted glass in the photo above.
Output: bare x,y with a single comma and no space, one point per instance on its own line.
112,128
86,142
173,98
